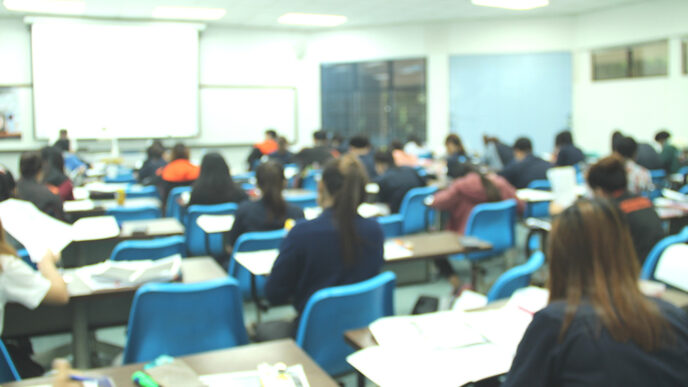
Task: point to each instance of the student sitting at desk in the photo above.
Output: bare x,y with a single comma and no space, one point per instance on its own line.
394,181
526,167
639,178
214,184
155,162
457,161
271,211
497,154
54,176
599,329
179,172
565,152
21,284
30,189
669,153
360,146
282,155
318,155
461,197
337,248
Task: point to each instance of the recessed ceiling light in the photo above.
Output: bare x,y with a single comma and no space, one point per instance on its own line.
62,7
311,19
188,13
512,4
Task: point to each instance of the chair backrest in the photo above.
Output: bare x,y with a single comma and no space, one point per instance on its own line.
178,319
146,191
123,214
391,225
416,215
198,242
658,176
172,207
650,264
538,209
516,278
684,189
8,372
303,201
332,311
253,241
149,249
310,181
543,185
495,223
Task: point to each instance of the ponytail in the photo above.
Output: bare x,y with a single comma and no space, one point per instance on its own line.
491,191
270,179
345,179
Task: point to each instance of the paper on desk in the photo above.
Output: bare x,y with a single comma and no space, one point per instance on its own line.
412,367
311,213
116,274
95,228
469,300
394,250
80,193
563,181
215,223
504,327
438,330
531,299
672,267
257,262
105,187
534,195
673,195
249,378
372,188
78,205
369,210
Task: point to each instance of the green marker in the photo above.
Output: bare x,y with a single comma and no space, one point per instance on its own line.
144,380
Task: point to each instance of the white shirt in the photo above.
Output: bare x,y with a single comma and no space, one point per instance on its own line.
21,284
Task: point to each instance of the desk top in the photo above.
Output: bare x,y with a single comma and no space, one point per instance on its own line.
153,228
243,358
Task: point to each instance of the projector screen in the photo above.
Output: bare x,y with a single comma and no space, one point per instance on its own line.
105,80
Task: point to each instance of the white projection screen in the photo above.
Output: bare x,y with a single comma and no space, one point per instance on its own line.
105,80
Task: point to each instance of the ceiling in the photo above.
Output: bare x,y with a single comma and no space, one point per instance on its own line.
264,13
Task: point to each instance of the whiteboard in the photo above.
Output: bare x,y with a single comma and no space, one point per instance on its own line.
240,115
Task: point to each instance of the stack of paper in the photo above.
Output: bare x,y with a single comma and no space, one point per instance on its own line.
368,210
672,267
252,378
257,262
394,249
78,205
115,274
215,223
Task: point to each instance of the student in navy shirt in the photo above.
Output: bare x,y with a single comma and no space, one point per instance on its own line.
525,167
566,152
271,211
599,329
339,247
394,181
360,146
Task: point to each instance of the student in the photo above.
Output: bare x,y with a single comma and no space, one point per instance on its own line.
394,181
339,145
155,162
669,154
179,172
457,162
607,179
21,284
54,176
497,154
30,189
339,247
639,178
270,211
282,155
566,153
360,146
264,148
401,158
599,329
7,183
461,197
414,147
63,143
214,184
318,155
526,167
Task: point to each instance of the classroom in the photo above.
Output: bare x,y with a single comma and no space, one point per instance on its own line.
303,192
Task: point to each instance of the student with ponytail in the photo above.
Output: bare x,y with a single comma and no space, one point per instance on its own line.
337,248
270,211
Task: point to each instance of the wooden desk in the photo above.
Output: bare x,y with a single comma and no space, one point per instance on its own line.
154,228
243,358
101,206
88,311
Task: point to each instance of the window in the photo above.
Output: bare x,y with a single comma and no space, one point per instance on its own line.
383,99
640,60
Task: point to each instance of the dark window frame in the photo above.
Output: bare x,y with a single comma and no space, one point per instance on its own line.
628,51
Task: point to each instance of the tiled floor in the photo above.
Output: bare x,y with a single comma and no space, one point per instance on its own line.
405,298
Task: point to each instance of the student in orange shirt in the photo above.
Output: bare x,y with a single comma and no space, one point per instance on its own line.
179,172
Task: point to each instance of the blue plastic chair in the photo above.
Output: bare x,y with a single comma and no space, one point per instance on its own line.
244,177
123,214
648,270
179,319
491,222
147,191
516,278
310,181
8,372
332,311
253,241
124,175
658,177
198,242
684,189
149,249
391,226
538,209
414,216
303,201
172,208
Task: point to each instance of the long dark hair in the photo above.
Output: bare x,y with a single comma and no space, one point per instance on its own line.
345,179
214,175
53,166
270,179
591,257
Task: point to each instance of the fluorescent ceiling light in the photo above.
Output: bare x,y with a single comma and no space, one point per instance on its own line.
62,7
188,13
311,19
512,4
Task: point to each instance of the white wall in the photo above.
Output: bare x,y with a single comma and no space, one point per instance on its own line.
638,107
